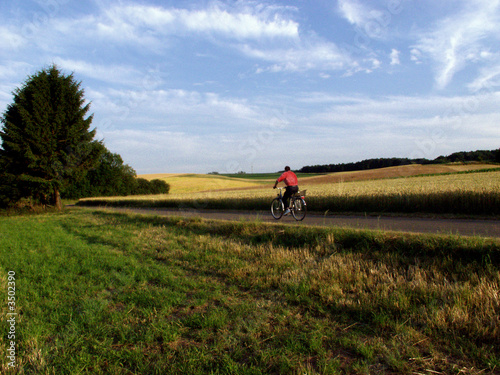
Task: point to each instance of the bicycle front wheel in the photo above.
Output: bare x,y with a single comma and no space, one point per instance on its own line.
299,210
277,208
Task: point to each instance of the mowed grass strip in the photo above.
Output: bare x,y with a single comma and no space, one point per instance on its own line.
102,292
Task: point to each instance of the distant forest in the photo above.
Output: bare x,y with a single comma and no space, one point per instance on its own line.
483,156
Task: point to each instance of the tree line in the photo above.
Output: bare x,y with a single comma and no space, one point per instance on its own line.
48,151
111,177
484,156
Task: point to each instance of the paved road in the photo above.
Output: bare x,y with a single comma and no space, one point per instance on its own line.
464,227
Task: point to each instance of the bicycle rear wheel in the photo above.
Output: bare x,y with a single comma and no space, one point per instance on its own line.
277,208
299,209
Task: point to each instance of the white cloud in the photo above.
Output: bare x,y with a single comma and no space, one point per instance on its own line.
10,70
399,112
489,78
240,25
10,40
203,113
371,21
461,39
156,28
300,58
264,32
416,55
310,54
108,73
354,11
124,21
407,126
147,141
376,63
154,151
395,57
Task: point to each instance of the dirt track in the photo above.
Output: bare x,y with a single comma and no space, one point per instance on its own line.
464,227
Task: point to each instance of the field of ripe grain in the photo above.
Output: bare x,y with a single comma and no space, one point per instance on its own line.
193,183
400,171
478,181
377,182
461,193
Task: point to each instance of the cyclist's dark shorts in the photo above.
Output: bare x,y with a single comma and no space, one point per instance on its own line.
290,190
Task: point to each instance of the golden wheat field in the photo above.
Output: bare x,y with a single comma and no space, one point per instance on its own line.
390,178
472,189
476,182
193,183
406,179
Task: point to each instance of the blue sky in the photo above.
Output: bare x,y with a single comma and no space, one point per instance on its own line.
227,86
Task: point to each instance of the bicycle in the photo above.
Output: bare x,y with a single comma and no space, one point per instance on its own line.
298,206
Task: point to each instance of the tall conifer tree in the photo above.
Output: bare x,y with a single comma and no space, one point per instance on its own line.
46,141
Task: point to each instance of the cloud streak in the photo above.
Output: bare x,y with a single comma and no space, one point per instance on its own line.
370,21
264,33
244,23
461,39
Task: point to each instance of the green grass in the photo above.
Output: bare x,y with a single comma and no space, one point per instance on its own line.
101,292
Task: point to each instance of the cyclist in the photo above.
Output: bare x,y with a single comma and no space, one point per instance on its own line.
292,186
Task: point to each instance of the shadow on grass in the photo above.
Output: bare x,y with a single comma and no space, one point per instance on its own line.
454,249
456,257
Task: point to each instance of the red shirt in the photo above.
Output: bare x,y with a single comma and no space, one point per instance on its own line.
290,178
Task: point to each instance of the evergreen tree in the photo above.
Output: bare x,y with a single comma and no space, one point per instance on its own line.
46,141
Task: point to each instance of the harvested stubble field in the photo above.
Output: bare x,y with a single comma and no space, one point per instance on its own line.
450,189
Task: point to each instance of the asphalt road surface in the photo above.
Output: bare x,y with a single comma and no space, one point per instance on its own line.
463,227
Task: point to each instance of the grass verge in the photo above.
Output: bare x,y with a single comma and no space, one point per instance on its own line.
101,292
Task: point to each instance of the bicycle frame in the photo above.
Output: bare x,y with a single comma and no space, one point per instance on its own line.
298,210
280,194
